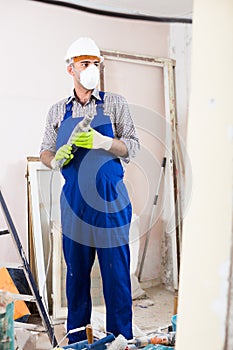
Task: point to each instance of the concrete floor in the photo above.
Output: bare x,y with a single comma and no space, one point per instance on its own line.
148,315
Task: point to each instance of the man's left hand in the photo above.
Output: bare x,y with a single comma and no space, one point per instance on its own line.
92,140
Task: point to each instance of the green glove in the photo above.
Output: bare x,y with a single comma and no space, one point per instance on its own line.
83,139
92,139
64,152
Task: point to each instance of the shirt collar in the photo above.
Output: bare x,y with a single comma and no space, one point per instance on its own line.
95,94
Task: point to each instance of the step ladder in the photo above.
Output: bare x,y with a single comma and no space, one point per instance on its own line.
24,265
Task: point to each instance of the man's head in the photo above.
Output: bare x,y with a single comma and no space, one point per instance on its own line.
83,59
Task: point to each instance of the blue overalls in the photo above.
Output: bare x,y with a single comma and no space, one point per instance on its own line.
95,215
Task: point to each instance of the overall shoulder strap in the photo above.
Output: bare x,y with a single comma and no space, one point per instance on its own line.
68,112
101,93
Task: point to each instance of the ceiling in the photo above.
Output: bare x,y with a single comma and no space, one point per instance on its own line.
162,10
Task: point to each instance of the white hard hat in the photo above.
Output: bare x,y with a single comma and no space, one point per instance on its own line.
82,47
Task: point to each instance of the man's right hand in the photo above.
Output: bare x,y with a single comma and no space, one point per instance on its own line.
64,152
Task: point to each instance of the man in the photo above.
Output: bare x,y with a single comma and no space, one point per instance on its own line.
95,207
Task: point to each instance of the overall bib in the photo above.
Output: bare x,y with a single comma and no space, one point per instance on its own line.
95,215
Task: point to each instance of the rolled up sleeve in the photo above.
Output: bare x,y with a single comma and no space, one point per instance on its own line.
125,129
50,132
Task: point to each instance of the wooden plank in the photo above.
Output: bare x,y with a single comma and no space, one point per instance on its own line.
136,58
37,230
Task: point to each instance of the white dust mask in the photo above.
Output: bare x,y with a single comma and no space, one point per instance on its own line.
89,77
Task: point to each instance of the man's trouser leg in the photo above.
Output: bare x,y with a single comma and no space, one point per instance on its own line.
79,260
115,270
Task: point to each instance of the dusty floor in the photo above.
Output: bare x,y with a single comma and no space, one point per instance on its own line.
146,317
158,315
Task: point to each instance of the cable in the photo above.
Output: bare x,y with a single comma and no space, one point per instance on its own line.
50,230
70,332
118,14
108,336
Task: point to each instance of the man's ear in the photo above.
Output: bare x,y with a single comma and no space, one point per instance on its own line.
70,70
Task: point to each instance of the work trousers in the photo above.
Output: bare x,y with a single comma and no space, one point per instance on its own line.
115,271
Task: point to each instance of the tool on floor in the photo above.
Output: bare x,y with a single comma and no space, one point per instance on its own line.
82,126
151,219
171,327
89,333
100,344
120,343
35,297
71,331
159,338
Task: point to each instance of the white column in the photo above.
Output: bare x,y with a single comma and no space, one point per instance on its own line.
204,277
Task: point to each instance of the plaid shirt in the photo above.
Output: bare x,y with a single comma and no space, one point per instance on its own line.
115,106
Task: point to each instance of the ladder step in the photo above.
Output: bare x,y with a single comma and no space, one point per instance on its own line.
24,297
29,326
4,232
12,265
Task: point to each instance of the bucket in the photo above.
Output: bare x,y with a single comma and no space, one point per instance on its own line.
173,321
6,321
